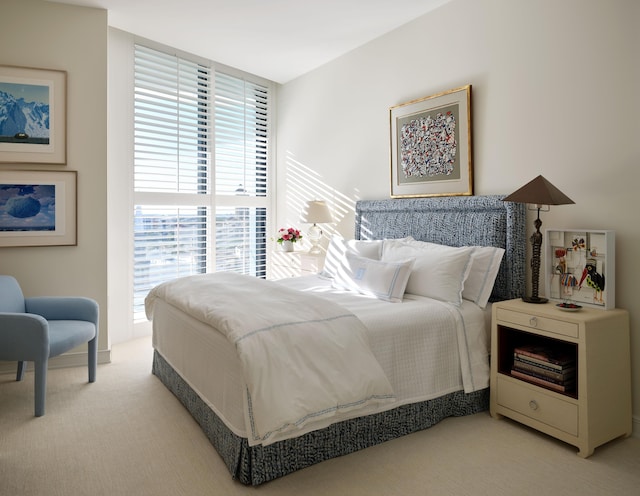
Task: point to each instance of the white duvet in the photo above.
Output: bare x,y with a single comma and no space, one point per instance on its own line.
427,348
305,360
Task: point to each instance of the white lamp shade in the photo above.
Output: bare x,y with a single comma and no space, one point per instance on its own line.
316,212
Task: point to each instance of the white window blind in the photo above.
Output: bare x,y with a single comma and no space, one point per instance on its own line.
241,131
241,136
172,98
200,172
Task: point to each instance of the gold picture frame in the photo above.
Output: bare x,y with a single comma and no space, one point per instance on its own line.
431,146
33,115
38,208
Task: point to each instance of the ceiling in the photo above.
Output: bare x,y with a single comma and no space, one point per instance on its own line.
275,39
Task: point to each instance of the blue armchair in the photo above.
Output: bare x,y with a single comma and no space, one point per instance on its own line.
35,329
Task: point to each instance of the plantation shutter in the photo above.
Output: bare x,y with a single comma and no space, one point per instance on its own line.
241,130
200,172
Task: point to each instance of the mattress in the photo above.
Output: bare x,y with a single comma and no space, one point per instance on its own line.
426,348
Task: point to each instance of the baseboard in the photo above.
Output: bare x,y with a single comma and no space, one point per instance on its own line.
635,426
78,359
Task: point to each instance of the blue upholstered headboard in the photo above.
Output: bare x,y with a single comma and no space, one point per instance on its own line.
455,221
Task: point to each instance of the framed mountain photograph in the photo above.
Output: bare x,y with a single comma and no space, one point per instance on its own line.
32,115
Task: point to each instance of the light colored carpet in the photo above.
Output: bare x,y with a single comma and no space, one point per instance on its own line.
126,434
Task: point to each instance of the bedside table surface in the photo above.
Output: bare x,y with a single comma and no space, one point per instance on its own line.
549,309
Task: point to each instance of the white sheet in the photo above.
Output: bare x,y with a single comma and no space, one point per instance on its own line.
419,362
304,359
426,347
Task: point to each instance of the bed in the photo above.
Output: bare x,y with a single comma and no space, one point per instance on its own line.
203,370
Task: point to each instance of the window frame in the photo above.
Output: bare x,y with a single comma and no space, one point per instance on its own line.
211,200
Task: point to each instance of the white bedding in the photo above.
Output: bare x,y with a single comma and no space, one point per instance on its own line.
304,359
425,347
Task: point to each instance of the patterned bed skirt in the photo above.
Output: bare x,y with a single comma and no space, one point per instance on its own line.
258,464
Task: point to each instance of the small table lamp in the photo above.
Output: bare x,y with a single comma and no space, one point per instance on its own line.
537,192
315,212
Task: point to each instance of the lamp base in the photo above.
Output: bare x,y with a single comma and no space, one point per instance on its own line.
531,299
315,235
315,250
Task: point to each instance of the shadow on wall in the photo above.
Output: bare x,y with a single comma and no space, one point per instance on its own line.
303,184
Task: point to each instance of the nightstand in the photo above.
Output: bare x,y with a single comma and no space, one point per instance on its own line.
591,405
294,264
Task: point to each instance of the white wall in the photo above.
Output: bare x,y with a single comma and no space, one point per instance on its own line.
46,35
554,93
120,187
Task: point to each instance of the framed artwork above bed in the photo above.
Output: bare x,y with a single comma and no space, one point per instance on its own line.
431,146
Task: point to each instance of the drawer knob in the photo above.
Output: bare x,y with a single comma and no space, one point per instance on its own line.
533,404
533,322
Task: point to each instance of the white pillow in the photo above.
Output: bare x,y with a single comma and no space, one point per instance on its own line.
384,280
485,264
439,271
338,248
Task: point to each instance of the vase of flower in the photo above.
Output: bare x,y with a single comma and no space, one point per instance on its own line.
287,236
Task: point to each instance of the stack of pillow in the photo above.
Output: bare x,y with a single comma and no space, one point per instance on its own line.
386,269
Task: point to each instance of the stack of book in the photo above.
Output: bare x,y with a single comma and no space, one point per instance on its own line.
545,367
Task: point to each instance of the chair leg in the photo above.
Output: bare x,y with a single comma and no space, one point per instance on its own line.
40,386
93,359
22,365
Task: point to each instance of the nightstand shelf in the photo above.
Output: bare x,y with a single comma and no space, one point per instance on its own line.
594,405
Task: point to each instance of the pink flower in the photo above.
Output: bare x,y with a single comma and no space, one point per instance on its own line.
289,234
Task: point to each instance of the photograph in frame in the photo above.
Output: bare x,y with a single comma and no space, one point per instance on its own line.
38,208
580,267
431,146
32,115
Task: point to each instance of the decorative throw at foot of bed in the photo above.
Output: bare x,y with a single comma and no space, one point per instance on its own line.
391,338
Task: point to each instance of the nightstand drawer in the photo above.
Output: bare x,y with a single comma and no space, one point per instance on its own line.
536,405
540,323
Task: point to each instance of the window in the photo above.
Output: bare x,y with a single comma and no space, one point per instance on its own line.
200,171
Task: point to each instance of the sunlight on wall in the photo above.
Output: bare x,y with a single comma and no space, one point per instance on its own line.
303,184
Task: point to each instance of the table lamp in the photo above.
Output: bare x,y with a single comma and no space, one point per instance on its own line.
538,192
315,212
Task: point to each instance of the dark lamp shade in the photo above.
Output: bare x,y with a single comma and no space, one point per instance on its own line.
539,192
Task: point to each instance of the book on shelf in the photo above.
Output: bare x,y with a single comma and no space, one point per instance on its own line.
543,364
546,355
561,388
555,377
523,364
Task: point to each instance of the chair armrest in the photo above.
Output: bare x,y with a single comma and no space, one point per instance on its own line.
64,308
23,336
